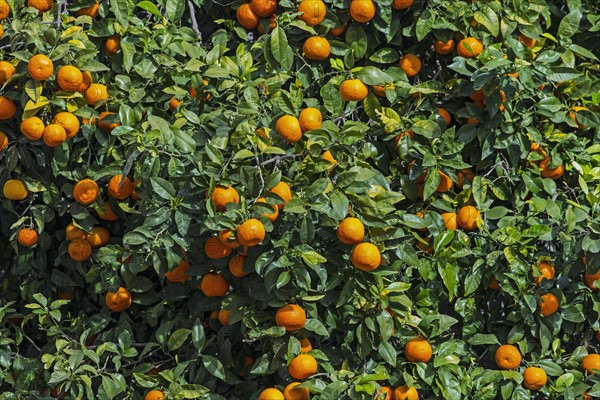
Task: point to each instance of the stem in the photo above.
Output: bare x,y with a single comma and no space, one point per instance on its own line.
62,9
194,21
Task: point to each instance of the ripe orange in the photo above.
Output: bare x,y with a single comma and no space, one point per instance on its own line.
573,115
402,4
353,89
464,175
246,17
272,25
68,121
446,116
469,47
291,316
316,48
214,249
548,304
534,378
529,42
418,350
3,141
384,393
303,366
112,45
291,392
54,135
271,394
508,357
214,285
104,125
289,128
107,214
69,78
444,48
223,317
366,257
155,395
337,31
410,64
96,94
409,133
119,187
134,195
236,266
222,195
27,237
40,67
590,363
362,10
282,190
41,5
8,108
86,192
450,220
4,9
72,232
98,236
251,232
14,189
552,173
305,345
589,280
350,231
174,104
467,218
546,271
445,183
226,238
32,128
405,393
87,82
79,249
118,301
179,273
329,157
264,8
91,11
272,216
7,70
313,11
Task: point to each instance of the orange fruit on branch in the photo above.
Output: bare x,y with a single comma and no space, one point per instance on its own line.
179,273
384,393
589,280
469,47
54,135
27,237
264,8
41,5
33,128
282,190
527,41
552,173
546,271
362,10
410,64
350,231
222,195
353,90
96,94
86,83
106,213
3,141
313,11
69,78
591,364
251,232
444,48
112,45
8,108
405,393
79,249
291,392
104,125
236,266
310,118
508,357
98,236
464,175
303,366
271,394
214,285
7,70
68,121
118,301
446,116
119,187
40,67
305,345
72,232
226,238
91,11
246,16
418,350
316,48
214,249
4,9
14,189
155,395
534,378
450,220
467,218
366,257
289,128
548,304
272,216
402,4
291,316
86,191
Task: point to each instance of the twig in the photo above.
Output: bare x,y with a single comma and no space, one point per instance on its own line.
194,21
276,159
62,9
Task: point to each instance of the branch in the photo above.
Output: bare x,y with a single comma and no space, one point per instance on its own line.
194,21
276,159
62,9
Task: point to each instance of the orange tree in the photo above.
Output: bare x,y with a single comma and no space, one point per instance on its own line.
292,200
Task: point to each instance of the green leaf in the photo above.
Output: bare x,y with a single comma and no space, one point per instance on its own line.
213,366
150,7
569,24
175,9
489,19
163,188
178,338
279,44
373,76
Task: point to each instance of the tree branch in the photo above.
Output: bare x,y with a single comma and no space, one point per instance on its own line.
194,21
62,9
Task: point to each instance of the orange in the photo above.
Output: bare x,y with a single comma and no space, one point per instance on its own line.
353,89
246,17
14,189
464,175
350,231
214,285
1,31
380,90
40,67
251,232
590,363
291,316
508,357
450,220
3,141
478,97
305,345
291,392
329,157
418,350
236,266
7,70
86,192
112,45
316,48
362,10
410,134
313,12
174,104
446,116
336,32
54,135
384,393
72,232
552,173
179,273
271,394
573,115
118,301
589,280
289,128
264,8
104,125
98,236
282,190
473,121
87,82
27,237
272,216
8,108
262,132
155,395
134,195
41,5
501,106
68,121
529,42
402,4
410,64
445,183
548,304
214,249
69,78
534,378
303,366
226,239
223,317
80,249
546,271
66,295
4,9
96,94
467,218
405,393
469,47
444,48
32,128
272,25
91,11
366,257
222,195
107,214
119,187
